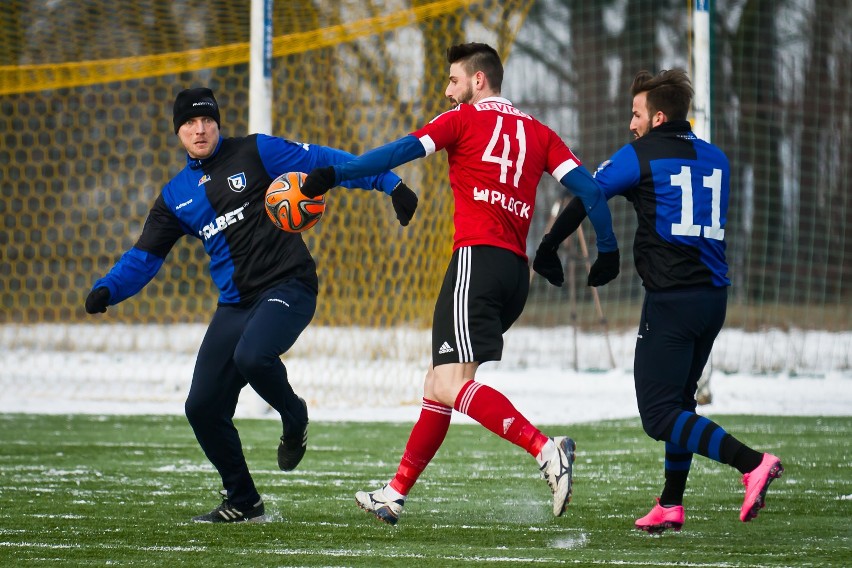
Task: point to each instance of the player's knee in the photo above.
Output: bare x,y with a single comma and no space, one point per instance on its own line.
251,362
654,425
446,384
657,412
648,427
197,410
437,388
443,393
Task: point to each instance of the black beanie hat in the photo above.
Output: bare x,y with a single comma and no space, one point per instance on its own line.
195,102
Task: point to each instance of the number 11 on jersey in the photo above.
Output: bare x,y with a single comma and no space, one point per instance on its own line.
686,227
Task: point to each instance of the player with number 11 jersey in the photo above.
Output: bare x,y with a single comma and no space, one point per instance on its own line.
678,185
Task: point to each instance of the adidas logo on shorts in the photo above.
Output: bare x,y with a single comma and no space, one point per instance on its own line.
445,348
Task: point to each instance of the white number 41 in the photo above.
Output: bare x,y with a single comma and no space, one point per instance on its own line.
504,160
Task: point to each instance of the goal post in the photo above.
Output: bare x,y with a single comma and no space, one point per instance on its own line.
701,77
702,109
260,68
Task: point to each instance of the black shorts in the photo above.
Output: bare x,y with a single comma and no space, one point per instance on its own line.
484,291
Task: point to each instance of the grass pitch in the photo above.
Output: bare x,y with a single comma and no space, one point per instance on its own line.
120,490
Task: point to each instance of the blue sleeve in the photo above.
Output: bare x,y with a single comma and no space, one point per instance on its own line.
380,159
620,173
280,156
130,274
582,184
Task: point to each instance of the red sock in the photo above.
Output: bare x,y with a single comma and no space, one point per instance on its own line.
494,411
426,437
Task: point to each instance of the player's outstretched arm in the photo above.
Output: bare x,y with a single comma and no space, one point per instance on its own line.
371,163
404,200
583,185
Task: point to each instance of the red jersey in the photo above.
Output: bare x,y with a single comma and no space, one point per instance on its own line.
497,155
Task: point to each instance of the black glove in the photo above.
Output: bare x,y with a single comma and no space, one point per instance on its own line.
568,221
547,263
605,268
318,182
404,203
97,300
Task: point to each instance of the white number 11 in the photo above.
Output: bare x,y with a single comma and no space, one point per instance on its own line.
686,227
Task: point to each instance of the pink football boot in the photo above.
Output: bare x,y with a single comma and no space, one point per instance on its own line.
756,483
661,518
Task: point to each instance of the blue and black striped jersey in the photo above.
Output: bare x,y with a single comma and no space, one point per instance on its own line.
220,200
679,186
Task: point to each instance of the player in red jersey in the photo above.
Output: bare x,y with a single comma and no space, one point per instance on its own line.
497,155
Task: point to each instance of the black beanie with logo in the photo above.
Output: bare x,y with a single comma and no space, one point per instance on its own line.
195,102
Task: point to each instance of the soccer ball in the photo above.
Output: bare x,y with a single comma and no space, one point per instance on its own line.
288,208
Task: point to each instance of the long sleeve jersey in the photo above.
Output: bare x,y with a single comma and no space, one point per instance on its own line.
497,155
220,201
679,186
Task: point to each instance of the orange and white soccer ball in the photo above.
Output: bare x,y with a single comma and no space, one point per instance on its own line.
288,208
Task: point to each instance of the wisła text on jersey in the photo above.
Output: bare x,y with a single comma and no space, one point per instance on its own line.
222,222
494,197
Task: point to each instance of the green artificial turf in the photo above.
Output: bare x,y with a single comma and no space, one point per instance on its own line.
120,491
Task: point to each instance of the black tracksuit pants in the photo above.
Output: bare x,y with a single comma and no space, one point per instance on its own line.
676,335
243,346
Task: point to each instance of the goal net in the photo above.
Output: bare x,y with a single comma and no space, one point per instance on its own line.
86,89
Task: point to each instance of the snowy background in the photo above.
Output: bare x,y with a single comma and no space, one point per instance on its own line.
115,369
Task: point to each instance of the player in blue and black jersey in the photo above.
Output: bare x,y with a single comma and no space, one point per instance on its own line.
266,277
679,186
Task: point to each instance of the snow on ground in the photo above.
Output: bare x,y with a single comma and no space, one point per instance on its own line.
545,396
147,370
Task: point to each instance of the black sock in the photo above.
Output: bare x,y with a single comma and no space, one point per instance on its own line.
677,464
745,459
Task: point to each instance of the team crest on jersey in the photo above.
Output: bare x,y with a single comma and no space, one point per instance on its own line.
204,179
237,182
